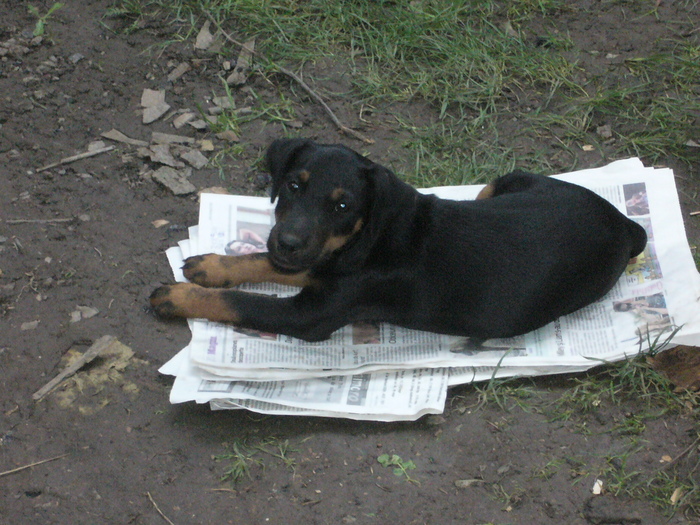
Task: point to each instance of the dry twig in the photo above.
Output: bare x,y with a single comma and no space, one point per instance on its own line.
79,156
342,127
90,354
18,469
158,509
35,221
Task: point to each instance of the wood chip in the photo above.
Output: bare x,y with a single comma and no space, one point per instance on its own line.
183,119
194,158
245,59
199,124
175,180
166,138
152,97
153,113
204,38
118,136
206,145
161,154
180,70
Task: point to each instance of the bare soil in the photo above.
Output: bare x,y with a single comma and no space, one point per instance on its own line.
81,234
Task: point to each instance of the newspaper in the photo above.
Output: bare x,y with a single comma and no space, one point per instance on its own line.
382,372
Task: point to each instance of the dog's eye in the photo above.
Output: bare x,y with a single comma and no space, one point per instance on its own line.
341,206
293,186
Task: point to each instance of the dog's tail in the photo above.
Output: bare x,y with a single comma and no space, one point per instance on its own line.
639,238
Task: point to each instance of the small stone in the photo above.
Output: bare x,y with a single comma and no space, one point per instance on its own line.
86,312
31,325
228,136
604,131
224,102
206,145
75,58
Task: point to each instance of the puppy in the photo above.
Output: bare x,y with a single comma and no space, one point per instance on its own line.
364,246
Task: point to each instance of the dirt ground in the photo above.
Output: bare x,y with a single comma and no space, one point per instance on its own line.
79,238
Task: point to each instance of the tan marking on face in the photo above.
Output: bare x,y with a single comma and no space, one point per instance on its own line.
304,176
486,192
335,242
337,194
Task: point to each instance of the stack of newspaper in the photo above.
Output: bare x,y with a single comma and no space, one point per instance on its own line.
382,372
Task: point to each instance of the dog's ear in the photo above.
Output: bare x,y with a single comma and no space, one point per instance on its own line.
385,191
279,158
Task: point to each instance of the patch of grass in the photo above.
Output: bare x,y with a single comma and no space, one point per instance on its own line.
242,457
673,487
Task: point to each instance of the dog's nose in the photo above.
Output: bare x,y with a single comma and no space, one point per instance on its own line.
290,242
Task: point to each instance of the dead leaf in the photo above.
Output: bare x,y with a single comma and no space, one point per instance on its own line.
587,147
677,495
159,223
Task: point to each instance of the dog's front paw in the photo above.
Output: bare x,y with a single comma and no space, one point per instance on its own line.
207,270
164,301
193,302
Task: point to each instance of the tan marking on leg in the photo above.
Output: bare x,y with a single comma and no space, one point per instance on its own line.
304,176
193,302
486,192
215,271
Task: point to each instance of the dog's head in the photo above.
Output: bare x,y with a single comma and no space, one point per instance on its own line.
323,198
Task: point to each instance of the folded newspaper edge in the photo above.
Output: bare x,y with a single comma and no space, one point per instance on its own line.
380,372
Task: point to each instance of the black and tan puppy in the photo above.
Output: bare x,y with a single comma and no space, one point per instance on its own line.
364,246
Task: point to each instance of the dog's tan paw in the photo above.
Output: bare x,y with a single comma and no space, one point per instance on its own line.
208,270
164,301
